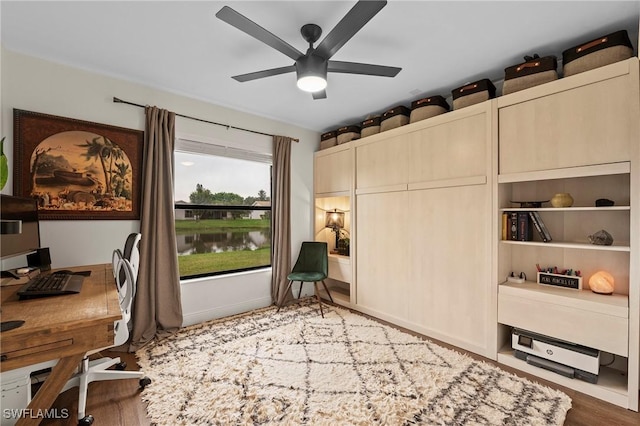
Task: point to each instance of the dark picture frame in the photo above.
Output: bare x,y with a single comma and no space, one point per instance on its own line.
77,169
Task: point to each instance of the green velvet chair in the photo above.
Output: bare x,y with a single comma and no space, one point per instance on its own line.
312,266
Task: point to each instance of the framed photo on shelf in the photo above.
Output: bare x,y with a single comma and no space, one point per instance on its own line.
77,169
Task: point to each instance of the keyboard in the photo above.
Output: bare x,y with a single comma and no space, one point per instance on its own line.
55,284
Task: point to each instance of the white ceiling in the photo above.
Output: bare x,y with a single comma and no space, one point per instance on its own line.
183,48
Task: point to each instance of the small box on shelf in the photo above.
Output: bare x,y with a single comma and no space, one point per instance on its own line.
558,280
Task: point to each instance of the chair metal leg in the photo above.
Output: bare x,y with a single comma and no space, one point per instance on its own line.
283,296
315,284
327,290
300,292
83,388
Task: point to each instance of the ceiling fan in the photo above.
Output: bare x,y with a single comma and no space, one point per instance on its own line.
312,67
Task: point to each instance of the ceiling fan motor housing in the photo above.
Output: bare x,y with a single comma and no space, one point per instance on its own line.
311,65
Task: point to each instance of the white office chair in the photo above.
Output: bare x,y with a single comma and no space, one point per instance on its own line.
131,251
116,257
91,371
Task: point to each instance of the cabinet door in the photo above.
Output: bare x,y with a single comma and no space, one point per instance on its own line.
450,257
382,163
454,149
333,172
382,253
585,125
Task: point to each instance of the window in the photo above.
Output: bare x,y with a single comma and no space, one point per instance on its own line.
222,209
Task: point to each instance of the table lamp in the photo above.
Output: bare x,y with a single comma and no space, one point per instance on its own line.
335,221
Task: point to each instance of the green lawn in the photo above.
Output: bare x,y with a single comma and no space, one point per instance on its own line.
189,226
195,264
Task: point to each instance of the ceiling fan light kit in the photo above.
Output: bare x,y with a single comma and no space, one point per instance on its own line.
312,73
312,67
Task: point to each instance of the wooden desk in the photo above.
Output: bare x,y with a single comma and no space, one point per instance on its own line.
61,327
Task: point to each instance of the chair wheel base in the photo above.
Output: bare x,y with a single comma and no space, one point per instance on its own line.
121,366
144,382
86,420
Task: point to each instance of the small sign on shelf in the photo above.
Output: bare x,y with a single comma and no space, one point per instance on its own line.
557,280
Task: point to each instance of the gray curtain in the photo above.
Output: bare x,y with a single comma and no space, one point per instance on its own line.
281,221
157,306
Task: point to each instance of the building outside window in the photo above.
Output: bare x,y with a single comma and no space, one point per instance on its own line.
222,209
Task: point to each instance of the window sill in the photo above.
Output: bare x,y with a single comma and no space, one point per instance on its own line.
209,278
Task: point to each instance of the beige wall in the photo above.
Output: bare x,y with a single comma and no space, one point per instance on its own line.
38,85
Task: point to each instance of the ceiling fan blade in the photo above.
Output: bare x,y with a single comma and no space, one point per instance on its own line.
322,94
352,22
367,69
262,74
246,25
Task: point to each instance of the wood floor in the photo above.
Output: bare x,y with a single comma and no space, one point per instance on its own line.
118,403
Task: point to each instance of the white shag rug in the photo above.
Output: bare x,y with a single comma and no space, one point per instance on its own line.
296,368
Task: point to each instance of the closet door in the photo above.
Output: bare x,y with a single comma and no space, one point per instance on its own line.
333,171
578,125
382,163
382,267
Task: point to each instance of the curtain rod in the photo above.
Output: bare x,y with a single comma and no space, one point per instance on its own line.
117,100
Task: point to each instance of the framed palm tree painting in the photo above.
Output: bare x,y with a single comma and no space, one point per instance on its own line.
77,169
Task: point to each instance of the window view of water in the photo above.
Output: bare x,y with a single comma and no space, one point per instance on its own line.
213,246
222,209
218,242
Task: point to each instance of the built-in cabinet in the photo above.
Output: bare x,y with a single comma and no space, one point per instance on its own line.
578,135
423,209
333,190
425,203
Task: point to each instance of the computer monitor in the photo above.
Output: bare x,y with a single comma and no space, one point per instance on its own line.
20,228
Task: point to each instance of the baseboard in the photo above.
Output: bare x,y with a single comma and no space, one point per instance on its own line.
224,311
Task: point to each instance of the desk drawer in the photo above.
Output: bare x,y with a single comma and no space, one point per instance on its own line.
598,330
38,347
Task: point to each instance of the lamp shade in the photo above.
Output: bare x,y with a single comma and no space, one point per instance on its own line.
312,73
335,219
10,227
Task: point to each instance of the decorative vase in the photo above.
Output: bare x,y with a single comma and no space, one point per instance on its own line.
562,199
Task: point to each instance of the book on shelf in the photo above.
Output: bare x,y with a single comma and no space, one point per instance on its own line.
538,223
525,230
505,226
513,226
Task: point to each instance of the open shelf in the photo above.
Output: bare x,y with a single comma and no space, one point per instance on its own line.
624,247
611,386
567,172
340,258
565,209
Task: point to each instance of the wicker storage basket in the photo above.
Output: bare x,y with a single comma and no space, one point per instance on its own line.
533,72
328,139
370,126
428,107
348,133
473,93
596,53
395,117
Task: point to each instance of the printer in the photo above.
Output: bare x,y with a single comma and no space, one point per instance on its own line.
562,357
